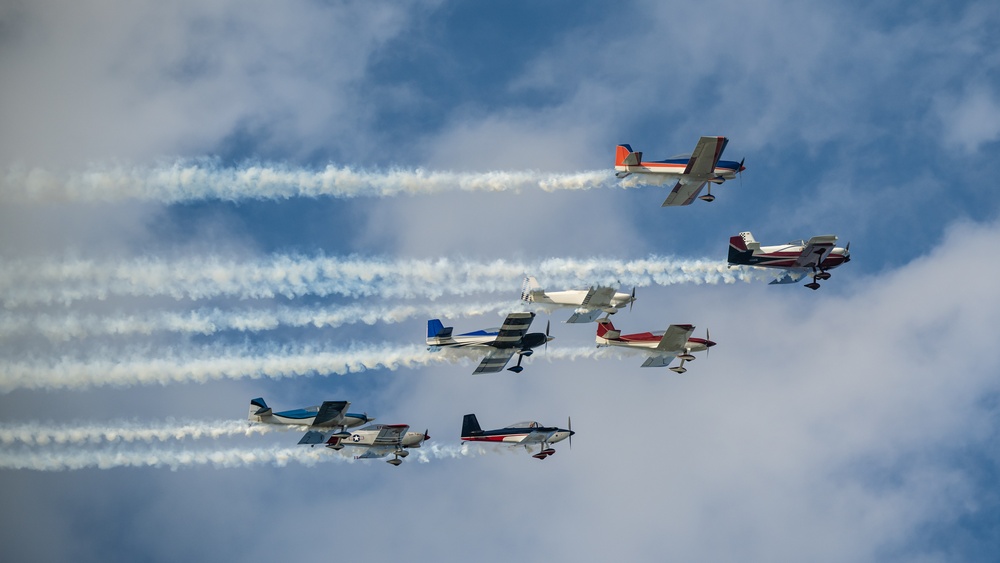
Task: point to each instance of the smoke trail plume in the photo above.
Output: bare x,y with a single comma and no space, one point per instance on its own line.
213,363
207,321
44,434
107,458
225,363
33,282
196,180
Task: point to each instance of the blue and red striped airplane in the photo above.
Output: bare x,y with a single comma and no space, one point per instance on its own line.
692,172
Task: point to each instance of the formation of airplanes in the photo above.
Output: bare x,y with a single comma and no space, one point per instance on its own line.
328,423
333,426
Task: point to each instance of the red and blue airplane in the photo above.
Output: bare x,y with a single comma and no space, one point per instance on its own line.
692,172
527,434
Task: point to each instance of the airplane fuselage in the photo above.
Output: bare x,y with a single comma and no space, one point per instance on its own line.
724,169
305,417
650,341
785,257
516,437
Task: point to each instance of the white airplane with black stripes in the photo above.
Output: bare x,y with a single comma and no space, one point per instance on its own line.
500,343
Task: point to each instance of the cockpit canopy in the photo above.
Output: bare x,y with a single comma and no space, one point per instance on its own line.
525,424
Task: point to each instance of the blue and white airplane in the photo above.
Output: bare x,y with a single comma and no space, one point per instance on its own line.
692,172
323,421
380,440
527,434
501,343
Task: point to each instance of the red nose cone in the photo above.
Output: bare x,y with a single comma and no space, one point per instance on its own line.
709,343
426,436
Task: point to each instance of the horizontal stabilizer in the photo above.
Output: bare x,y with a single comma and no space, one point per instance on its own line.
585,316
657,361
314,437
789,277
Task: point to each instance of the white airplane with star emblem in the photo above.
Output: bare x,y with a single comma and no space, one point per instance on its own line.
380,440
590,303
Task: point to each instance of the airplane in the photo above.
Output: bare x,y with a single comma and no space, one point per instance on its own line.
663,347
380,440
502,343
524,434
589,303
692,171
323,421
798,258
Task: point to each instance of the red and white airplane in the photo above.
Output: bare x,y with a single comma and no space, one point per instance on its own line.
527,434
692,172
798,258
590,303
663,347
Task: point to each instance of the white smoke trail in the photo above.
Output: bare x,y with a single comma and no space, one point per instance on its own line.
207,321
194,180
210,364
44,434
66,460
222,363
27,282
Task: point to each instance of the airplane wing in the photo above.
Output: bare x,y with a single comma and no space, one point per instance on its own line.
585,317
684,192
598,297
815,250
376,452
331,413
313,437
658,361
495,360
513,329
705,156
675,338
391,435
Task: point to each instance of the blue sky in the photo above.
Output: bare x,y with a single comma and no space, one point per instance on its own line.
858,422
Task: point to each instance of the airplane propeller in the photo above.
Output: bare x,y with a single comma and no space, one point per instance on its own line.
569,426
847,252
740,171
632,301
547,337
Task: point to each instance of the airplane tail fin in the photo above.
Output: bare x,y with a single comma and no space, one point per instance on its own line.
258,410
436,329
625,157
470,426
741,248
607,330
530,286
